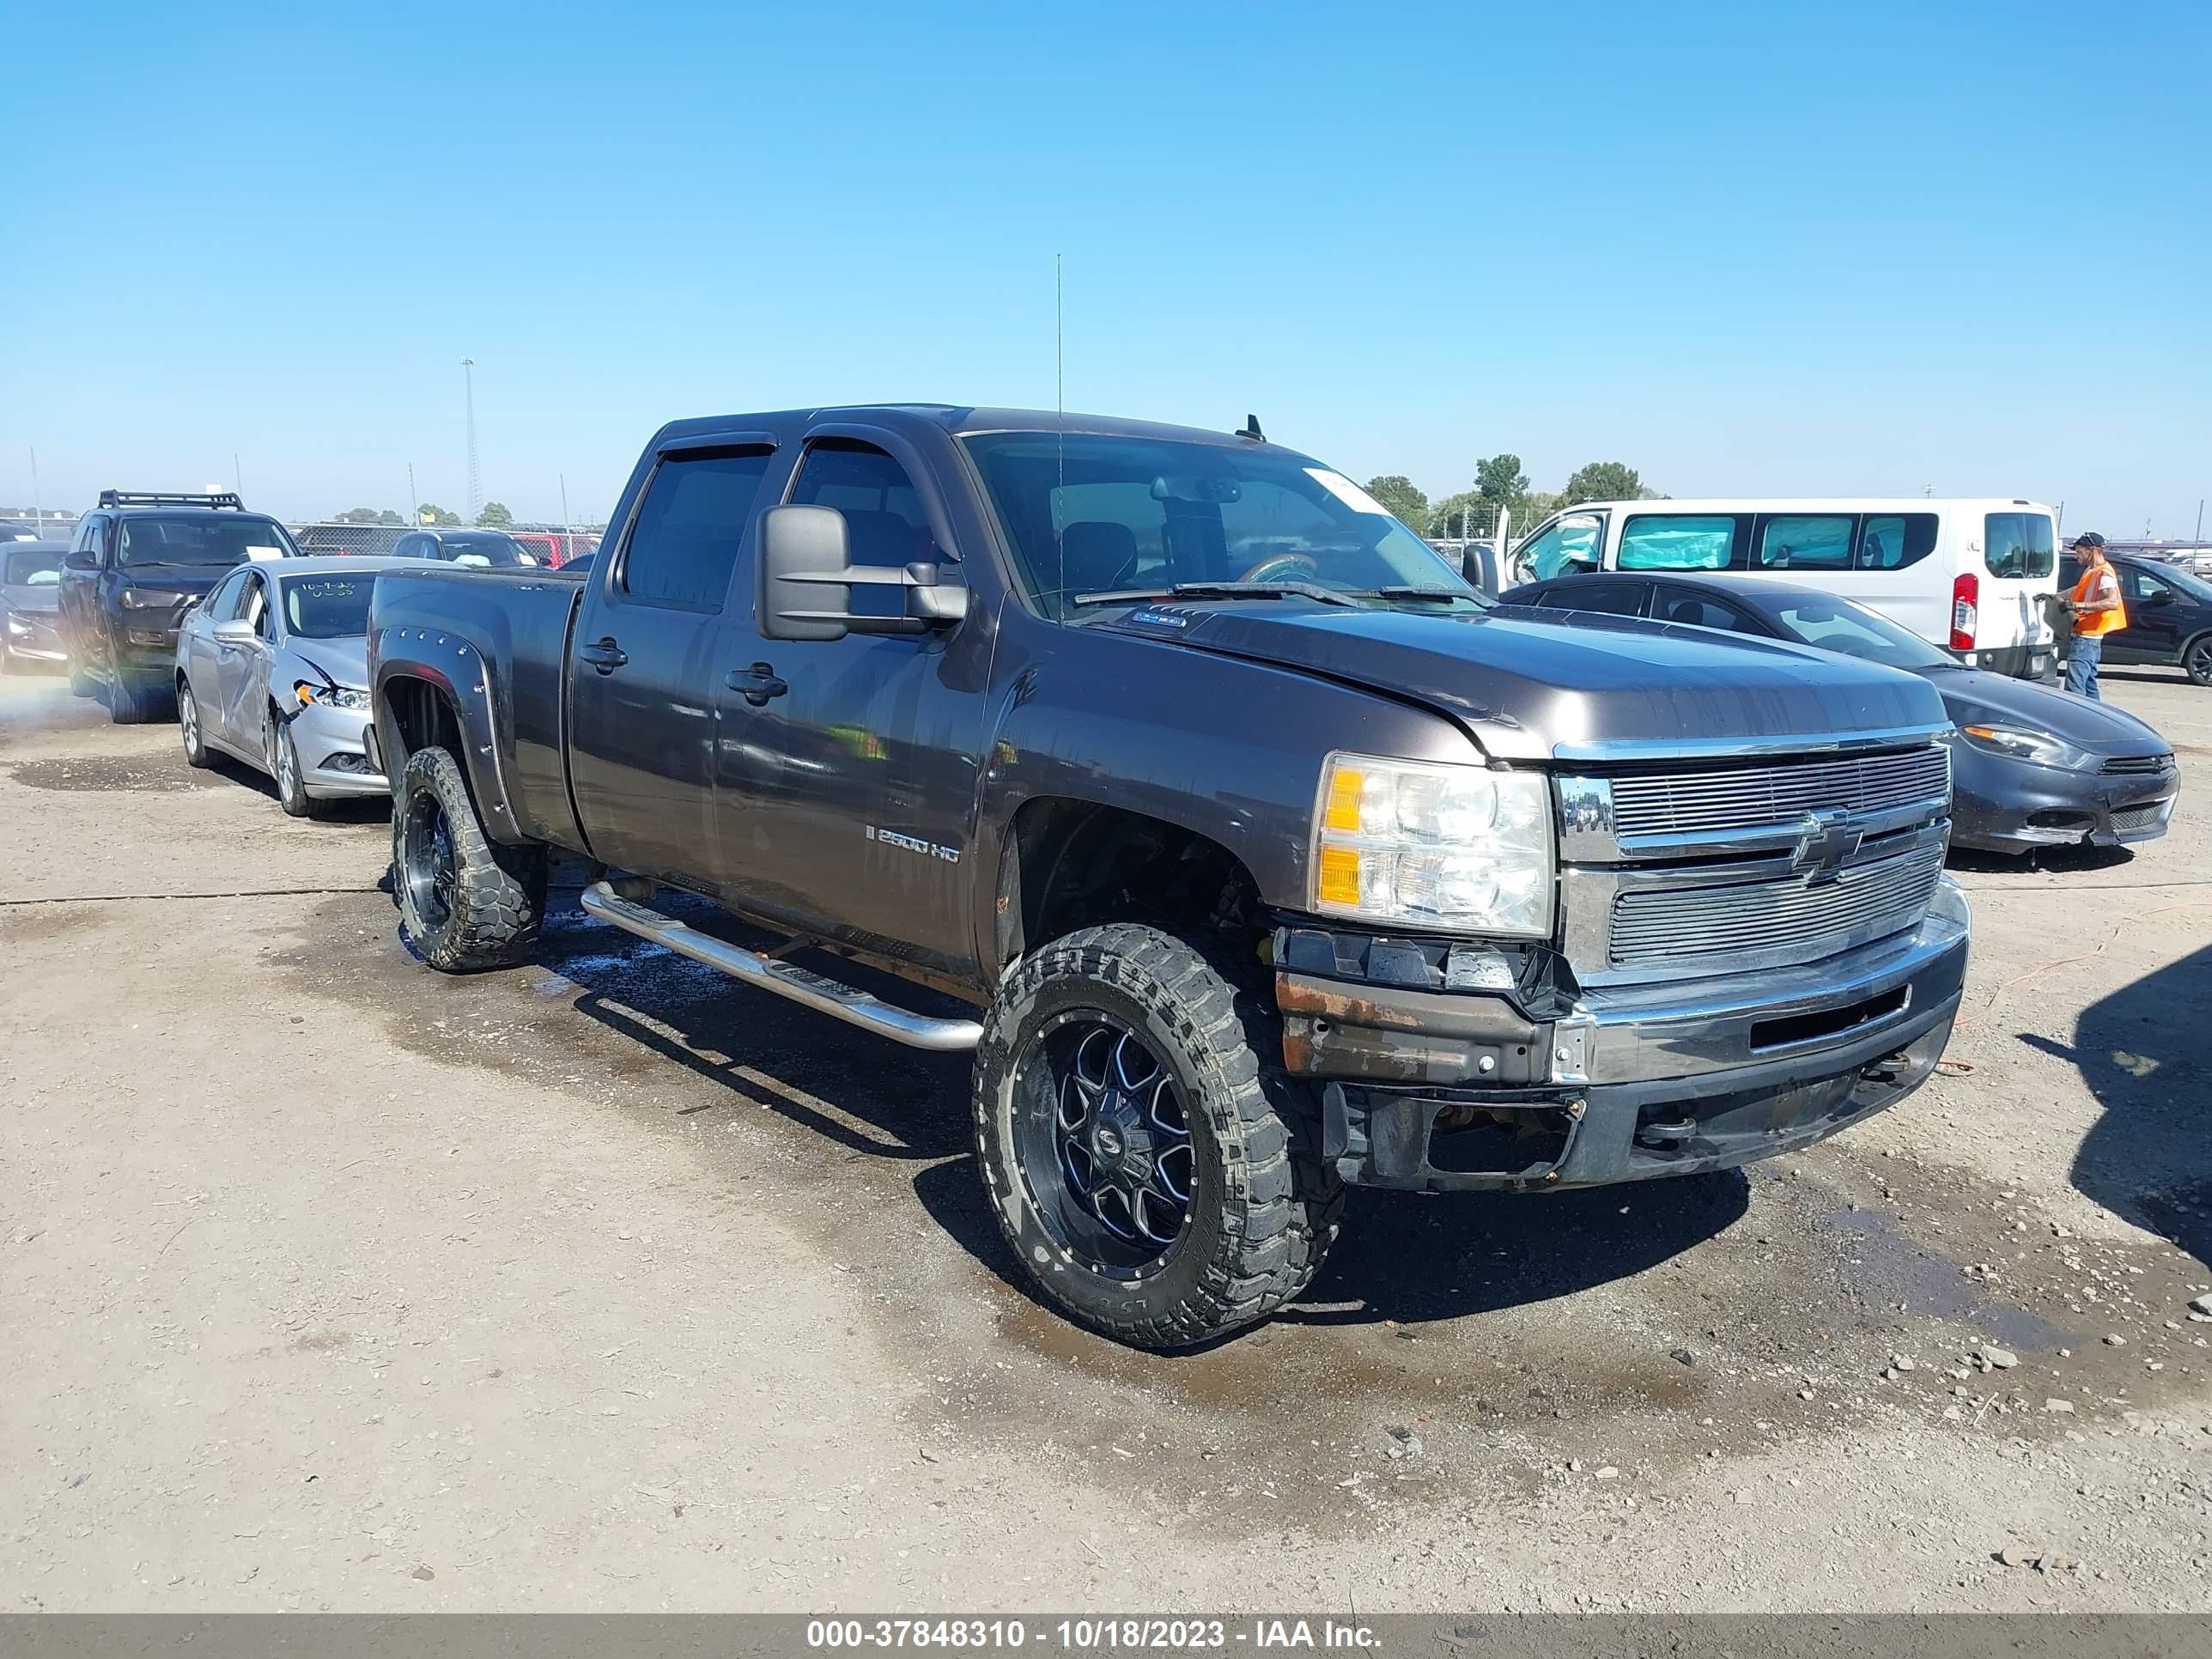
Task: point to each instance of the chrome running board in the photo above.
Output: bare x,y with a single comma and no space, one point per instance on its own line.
800,985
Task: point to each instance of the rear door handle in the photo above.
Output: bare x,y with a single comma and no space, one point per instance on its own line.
603,654
758,683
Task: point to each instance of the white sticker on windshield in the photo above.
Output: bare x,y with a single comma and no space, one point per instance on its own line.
1346,491
253,552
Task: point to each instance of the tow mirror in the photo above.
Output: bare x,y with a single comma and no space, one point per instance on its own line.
808,579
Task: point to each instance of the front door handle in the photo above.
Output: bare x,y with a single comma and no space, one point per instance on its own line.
603,654
758,683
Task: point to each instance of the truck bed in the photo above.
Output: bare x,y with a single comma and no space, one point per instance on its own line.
517,622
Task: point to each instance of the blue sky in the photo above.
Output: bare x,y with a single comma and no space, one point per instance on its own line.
1756,250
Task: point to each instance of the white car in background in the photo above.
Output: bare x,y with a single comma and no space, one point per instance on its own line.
1974,576
272,669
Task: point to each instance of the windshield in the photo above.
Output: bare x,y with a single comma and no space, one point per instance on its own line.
1091,514
206,539
483,547
36,567
328,607
1852,630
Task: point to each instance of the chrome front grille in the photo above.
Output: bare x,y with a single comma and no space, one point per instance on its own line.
1805,915
1747,797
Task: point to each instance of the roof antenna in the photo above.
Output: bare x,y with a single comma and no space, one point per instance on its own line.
1250,432
1059,411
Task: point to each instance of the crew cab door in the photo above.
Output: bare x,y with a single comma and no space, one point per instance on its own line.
242,669
850,766
647,659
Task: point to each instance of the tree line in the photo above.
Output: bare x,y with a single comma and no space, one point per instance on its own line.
493,516
1499,483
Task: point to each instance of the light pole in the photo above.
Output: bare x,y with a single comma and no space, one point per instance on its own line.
469,391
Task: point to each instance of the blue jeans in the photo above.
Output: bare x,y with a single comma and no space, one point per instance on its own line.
2082,665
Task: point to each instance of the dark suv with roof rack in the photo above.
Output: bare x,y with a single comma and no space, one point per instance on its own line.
139,561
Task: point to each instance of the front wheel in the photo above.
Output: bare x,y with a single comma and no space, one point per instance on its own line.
188,724
468,902
133,702
2197,659
285,766
1154,1172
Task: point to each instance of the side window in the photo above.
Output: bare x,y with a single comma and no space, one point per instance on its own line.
1805,541
2139,587
1678,604
685,545
1575,543
221,605
254,607
1677,541
1891,541
1605,598
884,524
2018,544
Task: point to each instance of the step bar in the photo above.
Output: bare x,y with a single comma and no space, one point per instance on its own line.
801,985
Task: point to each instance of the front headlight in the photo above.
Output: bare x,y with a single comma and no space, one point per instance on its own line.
331,696
2017,743
1433,845
149,598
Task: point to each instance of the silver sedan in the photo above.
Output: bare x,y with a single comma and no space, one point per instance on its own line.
272,669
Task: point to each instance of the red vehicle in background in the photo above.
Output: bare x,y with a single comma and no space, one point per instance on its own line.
554,548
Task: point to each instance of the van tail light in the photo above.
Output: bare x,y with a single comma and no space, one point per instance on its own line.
1965,611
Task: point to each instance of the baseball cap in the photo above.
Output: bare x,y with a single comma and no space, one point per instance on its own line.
2087,538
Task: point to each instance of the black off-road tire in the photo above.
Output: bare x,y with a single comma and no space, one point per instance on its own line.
1264,1209
132,702
188,725
496,895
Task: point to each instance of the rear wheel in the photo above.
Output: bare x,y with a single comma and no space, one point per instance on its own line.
468,902
1153,1171
188,724
133,702
2197,659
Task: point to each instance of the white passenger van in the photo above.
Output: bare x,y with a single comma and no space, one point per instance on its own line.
1970,575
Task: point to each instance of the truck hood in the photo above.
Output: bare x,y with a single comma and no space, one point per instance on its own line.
1537,686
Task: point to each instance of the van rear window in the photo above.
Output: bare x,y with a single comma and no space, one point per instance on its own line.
2018,545
1668,541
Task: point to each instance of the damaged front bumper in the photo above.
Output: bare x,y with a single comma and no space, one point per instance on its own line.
1448,1090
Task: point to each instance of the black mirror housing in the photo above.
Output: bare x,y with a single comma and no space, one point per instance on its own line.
82,559
808,578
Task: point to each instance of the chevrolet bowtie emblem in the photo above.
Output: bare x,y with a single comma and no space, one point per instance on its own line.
1826,844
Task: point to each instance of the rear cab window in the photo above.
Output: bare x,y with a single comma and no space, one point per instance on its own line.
691,527
2019,546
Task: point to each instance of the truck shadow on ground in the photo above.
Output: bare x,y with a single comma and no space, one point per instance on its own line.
2145,1053
1404,1258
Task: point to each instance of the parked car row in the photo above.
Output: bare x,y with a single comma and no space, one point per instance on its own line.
1268,856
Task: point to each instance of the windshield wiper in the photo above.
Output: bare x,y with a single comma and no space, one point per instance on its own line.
1406,591
1219,590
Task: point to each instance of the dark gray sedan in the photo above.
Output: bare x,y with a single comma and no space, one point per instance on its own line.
30,594
2031,766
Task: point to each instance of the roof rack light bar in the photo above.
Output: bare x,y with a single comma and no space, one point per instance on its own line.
168,498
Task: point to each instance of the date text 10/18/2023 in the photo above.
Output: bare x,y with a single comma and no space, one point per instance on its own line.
1088,1635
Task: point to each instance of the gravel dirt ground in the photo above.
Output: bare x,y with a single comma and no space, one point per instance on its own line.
327,1283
